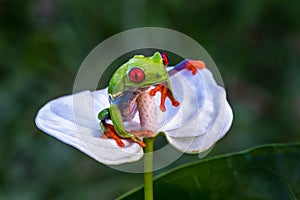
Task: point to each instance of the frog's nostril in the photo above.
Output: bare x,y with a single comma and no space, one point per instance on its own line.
158,75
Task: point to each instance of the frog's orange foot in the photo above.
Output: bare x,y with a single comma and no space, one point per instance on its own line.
136,140
145,133
110,132
165,92
193,65
139,134
173,100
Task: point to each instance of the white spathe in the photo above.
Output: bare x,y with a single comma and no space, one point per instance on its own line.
203,117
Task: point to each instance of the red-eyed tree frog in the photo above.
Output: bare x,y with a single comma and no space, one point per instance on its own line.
132,88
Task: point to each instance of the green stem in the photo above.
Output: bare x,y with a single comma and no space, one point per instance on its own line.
148,168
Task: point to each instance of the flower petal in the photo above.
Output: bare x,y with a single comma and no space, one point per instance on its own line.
194,115
73,120
206,141
211,121
190,91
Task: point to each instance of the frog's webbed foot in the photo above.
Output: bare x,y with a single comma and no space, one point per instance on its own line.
165,92
110,132
193,65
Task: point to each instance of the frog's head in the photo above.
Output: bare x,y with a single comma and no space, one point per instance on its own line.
139,72
145,71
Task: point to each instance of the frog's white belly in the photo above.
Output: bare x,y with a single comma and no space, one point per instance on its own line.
147,112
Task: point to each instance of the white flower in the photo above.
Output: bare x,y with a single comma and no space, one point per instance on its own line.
203,117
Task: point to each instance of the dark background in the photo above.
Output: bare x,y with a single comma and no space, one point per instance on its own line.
255,44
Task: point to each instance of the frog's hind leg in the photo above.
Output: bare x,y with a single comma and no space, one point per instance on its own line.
119,126
116,131
108,129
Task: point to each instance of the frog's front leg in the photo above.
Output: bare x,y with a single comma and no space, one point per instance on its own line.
165,90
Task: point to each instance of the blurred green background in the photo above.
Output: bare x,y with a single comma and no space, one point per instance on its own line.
255,44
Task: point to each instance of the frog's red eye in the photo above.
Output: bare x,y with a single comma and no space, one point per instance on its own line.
136,75
164,58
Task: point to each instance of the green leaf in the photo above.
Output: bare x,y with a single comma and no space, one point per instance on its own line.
266,172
